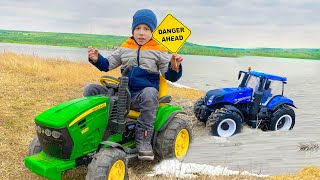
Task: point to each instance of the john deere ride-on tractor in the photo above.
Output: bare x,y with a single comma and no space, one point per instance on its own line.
98,131
258,102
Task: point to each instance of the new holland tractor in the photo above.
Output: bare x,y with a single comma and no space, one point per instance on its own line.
258,102
99,131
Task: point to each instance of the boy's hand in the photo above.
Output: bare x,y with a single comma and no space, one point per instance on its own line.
176,60
93,53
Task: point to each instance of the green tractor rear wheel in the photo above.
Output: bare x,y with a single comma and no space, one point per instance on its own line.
108,164
173,142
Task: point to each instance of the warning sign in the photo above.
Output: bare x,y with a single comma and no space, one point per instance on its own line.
171,33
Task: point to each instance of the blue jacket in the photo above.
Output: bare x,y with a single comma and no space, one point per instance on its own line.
145,63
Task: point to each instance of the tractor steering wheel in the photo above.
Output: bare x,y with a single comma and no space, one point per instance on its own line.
110,82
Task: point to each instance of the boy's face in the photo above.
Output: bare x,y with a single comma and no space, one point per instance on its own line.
142,34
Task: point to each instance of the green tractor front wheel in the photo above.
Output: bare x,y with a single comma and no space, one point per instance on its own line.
173,142
108,164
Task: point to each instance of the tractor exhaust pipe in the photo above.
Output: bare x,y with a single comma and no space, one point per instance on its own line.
123,102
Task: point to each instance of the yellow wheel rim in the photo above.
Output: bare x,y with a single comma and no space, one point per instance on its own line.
181,145
117,171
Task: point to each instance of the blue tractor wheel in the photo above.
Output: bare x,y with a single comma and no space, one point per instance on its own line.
199,110
282,119
224,123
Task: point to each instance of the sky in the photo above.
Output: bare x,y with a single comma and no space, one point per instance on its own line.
226,23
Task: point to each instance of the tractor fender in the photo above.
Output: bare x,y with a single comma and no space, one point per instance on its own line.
165,112
172,115
232,108
279,100
163,122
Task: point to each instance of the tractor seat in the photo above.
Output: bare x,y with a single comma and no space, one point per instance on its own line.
162,97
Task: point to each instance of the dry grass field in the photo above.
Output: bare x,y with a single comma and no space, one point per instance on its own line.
30,85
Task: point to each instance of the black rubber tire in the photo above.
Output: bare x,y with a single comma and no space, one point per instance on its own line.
283,110
198,110
34,147
220,115
101,164
165,140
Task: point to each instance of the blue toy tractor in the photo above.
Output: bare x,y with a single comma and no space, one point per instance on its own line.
257,102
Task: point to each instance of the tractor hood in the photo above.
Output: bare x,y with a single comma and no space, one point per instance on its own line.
63,114
228,95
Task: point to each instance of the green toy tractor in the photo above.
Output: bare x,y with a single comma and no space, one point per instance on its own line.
99,131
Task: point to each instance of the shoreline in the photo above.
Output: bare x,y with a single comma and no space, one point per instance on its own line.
13,45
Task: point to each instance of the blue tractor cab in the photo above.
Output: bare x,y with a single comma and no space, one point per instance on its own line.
258,101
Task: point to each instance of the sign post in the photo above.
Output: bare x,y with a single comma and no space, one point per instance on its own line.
171,33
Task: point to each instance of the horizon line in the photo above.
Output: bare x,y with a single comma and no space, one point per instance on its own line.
212,46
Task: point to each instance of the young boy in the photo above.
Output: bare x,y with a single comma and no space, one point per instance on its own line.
145,58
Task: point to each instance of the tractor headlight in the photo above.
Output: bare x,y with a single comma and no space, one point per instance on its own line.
47,132
210,100
56,134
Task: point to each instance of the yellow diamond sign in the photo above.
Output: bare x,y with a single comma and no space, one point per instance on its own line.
171,33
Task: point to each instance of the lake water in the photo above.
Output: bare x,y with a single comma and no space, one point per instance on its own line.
251,150
201,72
